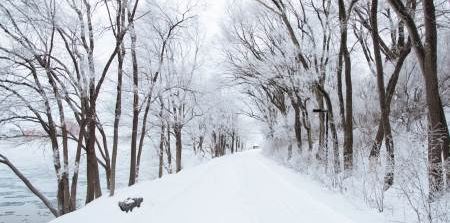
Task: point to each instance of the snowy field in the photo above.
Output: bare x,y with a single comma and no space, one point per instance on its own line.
246,187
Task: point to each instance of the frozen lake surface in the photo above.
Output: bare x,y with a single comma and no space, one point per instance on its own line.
19,205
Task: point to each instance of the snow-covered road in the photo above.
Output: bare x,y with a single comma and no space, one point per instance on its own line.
245,187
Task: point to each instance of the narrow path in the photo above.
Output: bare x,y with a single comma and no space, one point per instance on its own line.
246,187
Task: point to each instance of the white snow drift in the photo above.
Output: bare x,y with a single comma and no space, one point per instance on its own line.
246,187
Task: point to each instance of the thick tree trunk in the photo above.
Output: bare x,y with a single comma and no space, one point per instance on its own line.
438,135
348,122
93,184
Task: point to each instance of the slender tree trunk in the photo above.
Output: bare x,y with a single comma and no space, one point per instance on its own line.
200,143
105,154
168,151
389,143
320,104
375,151
161,152
289,151
214,148
117,116
232,142
133,163
161,144
297,121
307,124
73,190
63,175
337,162
339,87
178,143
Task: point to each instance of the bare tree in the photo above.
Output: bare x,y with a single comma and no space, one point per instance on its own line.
426,53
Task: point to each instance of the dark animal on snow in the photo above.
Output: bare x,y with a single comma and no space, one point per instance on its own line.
130,203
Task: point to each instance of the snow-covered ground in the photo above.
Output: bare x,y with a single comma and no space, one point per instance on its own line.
245,187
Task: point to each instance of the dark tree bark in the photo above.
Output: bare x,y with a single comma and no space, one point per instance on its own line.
232,141
336,159
117,115
426,53
134,166
168,150
93,184
297,120
375,151
161,151
120,26
345,54
178,146
161,141
389,143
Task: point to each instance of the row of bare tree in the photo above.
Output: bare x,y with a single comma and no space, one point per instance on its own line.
288,52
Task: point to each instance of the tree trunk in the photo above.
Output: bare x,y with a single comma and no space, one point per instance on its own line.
232,142
200,143
438,135
404,52
306,121
348,122
297,121
320,104
168,151
178,143
339,87
161,150
73,189
389,143
93,184
117,115
133,162
337,162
